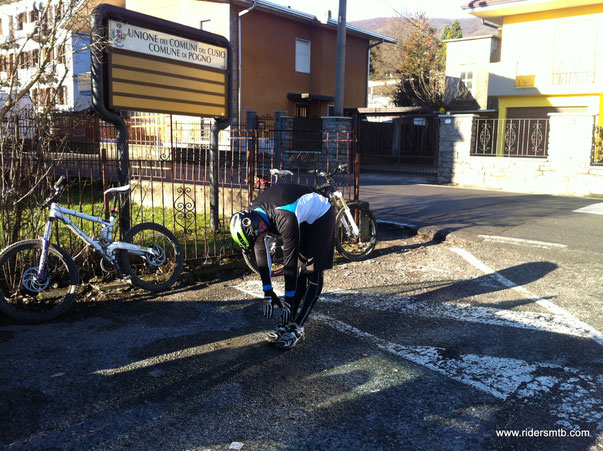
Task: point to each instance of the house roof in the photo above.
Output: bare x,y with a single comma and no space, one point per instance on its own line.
473,38
495,10
294,14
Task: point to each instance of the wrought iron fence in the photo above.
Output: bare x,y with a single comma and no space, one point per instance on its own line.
526,138
405,145
168,173
597,153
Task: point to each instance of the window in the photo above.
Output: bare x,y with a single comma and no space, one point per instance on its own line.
467,80
21,18
60,54
302,56
62,95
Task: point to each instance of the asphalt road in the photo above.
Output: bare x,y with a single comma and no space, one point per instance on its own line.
459,214
428,345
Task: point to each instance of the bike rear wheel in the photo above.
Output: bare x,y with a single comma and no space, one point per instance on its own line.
356,247
28,299
152,272
275,244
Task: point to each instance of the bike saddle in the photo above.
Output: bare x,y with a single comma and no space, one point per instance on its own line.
119,189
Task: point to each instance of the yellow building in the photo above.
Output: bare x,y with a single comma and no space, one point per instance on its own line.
551,56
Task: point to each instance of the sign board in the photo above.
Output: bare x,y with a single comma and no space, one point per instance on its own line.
154,65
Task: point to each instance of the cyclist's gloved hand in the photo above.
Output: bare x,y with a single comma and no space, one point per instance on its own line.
270,300
286,309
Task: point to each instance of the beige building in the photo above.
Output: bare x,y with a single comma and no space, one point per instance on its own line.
283,59
467,63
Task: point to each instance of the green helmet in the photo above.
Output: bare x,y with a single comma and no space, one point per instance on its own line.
244,228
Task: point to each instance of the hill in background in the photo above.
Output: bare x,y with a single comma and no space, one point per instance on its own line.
470,26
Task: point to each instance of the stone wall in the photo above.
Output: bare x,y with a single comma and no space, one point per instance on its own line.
336,146
566,170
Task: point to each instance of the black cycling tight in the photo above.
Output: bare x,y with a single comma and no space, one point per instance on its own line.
309,287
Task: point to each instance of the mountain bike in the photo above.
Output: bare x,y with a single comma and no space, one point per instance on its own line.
355,225
39,280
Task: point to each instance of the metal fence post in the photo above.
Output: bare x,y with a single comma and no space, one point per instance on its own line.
214,161
356,152
103,168
251,120
123,165
278,138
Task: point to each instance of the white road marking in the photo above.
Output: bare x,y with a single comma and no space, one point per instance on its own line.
593,209
545,322
574,396
520,241
592,333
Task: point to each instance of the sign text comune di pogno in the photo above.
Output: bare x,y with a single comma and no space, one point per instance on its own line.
150,42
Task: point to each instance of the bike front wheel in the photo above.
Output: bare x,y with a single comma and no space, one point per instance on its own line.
275,244
156,270
24,295
356,247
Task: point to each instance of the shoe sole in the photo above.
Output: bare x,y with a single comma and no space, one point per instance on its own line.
284,346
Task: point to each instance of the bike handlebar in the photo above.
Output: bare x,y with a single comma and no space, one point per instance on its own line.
338,169
57,190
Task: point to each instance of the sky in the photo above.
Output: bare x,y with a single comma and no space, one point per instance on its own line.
368,9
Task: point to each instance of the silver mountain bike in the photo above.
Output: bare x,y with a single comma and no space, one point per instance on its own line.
39,280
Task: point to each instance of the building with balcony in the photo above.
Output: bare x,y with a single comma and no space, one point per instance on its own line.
551,57
537,86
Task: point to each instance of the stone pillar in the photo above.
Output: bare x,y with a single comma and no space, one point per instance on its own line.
337,140
457,138
570,146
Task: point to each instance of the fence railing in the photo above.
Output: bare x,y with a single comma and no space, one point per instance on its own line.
597,153
526,138
169,174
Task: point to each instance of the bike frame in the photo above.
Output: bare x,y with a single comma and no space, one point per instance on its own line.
62,214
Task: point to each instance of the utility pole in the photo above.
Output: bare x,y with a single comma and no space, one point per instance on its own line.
340,61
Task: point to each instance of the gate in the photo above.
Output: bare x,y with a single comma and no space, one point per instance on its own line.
404,145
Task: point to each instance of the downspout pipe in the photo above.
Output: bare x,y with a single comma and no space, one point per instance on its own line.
239,58
98,68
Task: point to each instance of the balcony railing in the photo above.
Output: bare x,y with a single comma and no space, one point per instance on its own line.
526,138
573,78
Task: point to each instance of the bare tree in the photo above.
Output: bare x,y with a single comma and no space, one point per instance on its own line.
36,54
433,91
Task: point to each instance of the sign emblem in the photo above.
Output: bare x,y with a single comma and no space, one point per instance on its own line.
117,35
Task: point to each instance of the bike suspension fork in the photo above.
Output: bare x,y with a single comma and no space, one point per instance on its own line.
44,254
350,218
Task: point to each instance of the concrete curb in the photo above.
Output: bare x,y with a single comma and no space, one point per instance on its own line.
434,233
